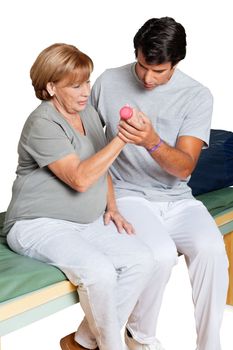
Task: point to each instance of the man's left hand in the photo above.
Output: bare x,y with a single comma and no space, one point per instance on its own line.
139,133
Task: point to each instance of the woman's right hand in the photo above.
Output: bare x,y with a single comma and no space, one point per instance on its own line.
120,222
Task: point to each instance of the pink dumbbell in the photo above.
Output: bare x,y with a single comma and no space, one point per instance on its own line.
126,112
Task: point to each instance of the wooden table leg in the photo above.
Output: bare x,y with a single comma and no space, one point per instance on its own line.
228,239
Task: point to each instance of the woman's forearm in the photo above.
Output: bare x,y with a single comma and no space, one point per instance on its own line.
111,199
89,170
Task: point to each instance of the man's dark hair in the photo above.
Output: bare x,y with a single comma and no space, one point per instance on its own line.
161,40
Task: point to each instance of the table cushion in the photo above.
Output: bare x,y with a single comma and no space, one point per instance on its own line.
217,202
214,169
20,274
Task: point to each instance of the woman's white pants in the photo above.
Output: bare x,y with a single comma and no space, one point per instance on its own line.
110,270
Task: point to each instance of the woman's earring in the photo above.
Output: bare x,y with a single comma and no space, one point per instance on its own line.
51,93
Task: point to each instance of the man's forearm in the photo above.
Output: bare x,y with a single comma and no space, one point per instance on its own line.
178,161
174,161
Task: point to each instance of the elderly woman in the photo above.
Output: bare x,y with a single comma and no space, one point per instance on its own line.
63,210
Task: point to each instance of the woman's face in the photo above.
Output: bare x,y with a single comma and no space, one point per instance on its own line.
72,98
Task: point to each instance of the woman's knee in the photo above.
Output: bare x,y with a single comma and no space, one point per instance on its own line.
93,272
146,259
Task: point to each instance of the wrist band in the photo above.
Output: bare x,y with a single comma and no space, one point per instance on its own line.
154,148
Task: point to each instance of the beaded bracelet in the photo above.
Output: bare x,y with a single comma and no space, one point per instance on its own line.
154,148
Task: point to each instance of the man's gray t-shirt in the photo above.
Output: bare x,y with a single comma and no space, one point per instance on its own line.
180,107
37,192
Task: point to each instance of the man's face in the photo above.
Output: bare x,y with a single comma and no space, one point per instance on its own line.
153,75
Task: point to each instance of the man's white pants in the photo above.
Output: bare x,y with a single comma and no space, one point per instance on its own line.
188,227
110,269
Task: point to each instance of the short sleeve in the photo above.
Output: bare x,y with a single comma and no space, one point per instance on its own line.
94,95
94,98
47,141
197,122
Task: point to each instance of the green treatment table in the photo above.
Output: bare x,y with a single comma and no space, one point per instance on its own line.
31,290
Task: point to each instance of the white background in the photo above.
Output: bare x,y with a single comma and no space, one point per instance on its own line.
104,29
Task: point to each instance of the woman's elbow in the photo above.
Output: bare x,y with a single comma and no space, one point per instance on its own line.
80,184
81,187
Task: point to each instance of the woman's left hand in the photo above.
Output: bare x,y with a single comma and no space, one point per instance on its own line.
120,222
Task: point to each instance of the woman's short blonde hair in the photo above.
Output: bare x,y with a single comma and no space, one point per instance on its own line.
56,63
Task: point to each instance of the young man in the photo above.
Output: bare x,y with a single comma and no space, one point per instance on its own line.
151,175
